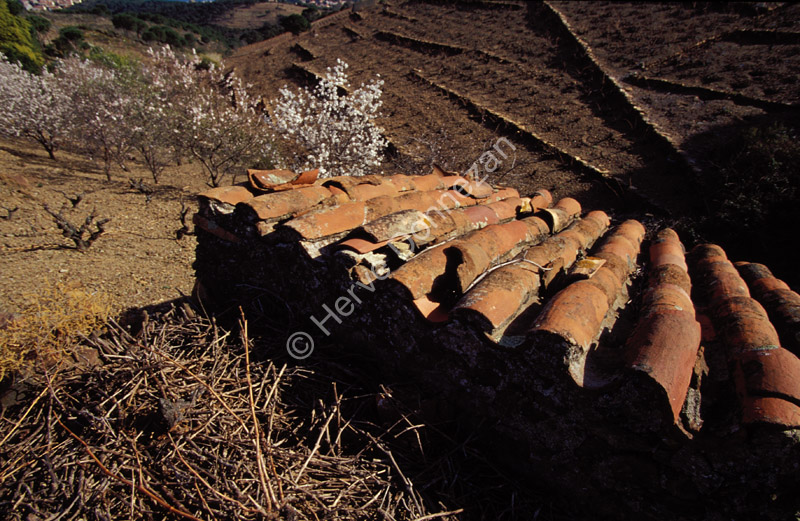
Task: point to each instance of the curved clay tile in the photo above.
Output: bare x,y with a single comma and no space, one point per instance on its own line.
782,304
505,292
274,180
277,205
576,313
230,195
662,350
561,215
765,374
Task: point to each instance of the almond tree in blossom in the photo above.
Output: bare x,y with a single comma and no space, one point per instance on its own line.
336,134
101,103
213,118
33,106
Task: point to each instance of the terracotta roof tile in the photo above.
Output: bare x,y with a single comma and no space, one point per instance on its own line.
506,291
330,221
576,313
769,372
394,225
506,209
561,215
766,374
432,311
231,195
499,297
503,193
278,205
418,275
758,409
664,344
541,199
274,180
782,304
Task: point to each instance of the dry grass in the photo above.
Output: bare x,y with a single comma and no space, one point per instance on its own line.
186,420
49,326
256,15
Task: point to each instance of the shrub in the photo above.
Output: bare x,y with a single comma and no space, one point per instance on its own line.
17,42
48,326
336,134
71,33
39,23
295,23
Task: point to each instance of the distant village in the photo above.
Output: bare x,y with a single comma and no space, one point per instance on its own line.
48,5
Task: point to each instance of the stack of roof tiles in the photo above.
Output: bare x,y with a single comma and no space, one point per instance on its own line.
616,365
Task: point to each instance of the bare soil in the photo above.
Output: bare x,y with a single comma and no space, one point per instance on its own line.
256,15
138,261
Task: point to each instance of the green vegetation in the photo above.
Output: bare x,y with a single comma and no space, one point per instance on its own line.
16,37
295,23
39,23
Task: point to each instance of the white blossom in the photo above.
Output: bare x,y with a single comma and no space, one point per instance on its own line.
336,134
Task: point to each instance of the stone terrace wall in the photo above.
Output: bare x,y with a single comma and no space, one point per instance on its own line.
640,380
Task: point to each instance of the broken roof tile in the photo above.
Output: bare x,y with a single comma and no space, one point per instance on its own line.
274,180
561,215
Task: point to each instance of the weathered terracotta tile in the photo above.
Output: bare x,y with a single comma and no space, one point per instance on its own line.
404,222
665,297
764,409
561,215
418,274
667,336
466,261
781,303
664,346
402,183
499,296
541,199
506,209
330,221
669,274
426,183
231,195
283,204
275,180
769,372
569,205
503,193
575,313
365,192
481,215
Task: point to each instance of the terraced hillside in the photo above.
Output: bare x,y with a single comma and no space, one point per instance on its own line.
606,102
